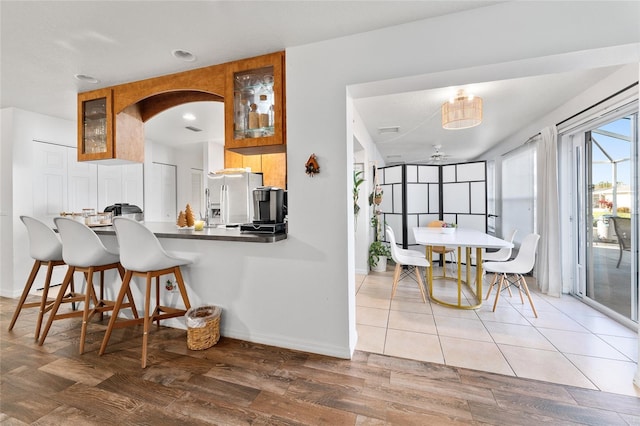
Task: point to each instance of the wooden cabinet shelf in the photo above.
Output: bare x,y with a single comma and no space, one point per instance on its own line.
254,105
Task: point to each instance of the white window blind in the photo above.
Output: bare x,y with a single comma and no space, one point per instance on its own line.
519,191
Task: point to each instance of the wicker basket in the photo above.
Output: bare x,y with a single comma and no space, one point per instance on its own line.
203,327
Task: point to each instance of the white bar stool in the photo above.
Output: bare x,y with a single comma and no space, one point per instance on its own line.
45,248
142,255
83,251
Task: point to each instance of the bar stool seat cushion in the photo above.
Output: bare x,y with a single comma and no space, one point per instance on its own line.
152,258
44,244
83,247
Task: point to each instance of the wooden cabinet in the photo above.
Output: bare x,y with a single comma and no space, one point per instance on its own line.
111,120
105,135
95,125
255,104
272,166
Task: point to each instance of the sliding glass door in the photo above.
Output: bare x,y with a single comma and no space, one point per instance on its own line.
605,160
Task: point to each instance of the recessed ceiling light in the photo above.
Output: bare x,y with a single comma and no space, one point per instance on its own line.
86,78
391,129
188,116
183,55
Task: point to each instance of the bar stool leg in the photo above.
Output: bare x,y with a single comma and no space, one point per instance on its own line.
68,279
124,290
25,292
158,297
183,290
147,320
132,304
89,295
43,302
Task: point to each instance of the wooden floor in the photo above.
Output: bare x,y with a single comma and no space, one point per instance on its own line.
237,382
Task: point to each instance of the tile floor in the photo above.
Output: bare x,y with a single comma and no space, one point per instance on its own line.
569,343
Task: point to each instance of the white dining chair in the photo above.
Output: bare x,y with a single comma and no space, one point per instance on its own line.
501,255
522,264
442,250
409,258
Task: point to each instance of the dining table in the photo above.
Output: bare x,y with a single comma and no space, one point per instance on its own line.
460,238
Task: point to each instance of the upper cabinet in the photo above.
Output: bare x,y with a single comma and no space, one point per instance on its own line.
104,135
111,120
254,105
95,125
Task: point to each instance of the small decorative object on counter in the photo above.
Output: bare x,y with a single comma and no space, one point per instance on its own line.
186,218
311,167
203,327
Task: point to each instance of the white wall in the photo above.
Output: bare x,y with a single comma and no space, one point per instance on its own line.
369,156
19,130
308,282
526,36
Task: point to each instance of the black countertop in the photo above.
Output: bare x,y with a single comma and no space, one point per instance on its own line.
170,230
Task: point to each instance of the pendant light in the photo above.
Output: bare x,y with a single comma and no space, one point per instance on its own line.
462,112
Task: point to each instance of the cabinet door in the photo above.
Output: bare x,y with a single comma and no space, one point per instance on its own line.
254,105
95,125
274,170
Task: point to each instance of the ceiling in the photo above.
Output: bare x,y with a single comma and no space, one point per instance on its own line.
45,43
508,106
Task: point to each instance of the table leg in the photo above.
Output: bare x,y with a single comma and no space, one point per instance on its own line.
468,263
459,277
479,274
430,259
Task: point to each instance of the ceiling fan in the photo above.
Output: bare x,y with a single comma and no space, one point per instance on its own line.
437,157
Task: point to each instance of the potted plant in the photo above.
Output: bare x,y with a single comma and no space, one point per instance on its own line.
376,196
357,181
378,254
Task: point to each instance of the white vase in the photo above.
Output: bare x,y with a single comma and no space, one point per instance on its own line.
381,266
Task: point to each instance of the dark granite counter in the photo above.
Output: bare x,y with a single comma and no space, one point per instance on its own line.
170,230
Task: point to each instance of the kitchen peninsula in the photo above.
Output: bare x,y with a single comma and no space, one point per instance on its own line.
222,272
169,230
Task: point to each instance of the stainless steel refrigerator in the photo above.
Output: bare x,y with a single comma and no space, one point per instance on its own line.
230,197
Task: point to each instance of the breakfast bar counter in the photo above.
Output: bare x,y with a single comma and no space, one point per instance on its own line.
170,230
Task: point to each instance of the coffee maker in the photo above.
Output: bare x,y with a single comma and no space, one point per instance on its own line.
268,211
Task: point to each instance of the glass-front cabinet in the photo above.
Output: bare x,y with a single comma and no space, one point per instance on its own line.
254,105
95,125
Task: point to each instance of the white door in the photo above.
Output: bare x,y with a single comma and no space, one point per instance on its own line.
162,199
132,184
109,186
49,180
197,191
82,183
